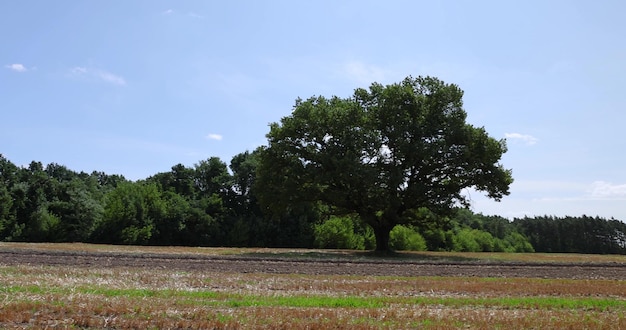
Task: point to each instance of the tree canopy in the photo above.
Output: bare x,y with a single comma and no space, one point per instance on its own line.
208,205
383,154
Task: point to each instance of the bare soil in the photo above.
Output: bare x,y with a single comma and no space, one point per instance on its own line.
285,264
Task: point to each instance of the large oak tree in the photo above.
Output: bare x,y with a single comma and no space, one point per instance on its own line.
383,153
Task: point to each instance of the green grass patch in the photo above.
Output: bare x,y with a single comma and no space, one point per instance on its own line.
525,302
111,293
216,299
306,302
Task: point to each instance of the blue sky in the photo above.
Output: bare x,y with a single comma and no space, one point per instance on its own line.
135,87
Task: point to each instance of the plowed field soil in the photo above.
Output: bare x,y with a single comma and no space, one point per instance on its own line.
278,264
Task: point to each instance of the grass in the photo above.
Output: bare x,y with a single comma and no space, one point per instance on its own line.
215,299
138,298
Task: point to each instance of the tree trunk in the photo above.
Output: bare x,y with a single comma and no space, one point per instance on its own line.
382,238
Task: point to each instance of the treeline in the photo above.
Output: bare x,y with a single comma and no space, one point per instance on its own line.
574,234
209,204
214,204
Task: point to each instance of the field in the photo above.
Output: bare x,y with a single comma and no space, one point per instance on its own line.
58,286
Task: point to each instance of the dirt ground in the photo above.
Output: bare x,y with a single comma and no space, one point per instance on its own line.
313,266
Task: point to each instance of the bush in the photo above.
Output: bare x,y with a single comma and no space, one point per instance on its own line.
465,241
338,233
518,243
485,240
136,236
405,238
369,240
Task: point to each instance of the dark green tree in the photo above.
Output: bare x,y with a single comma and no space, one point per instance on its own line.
129,214
383,154
79,209
179,180
574,234
243,167
182,224
8,177
7,219
31,199
211,177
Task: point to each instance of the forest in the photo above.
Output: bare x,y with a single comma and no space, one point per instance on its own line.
215,204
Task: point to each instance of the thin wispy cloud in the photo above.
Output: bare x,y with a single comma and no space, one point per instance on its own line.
607,190
169,12
551,191
213,136
79,70
17,67
110,78
525,138
98,74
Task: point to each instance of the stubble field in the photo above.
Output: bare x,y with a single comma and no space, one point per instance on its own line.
58,286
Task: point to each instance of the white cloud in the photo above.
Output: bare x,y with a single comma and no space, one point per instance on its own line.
571,191
527,139
560,198
79,70
98,74
17,67
213,136
607,190
169,12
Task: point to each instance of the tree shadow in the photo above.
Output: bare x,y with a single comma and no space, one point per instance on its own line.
413,256
356,255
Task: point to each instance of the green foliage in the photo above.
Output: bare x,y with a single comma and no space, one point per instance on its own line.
382,154
474,240
574,234
182,223
465,241
244,167
211,177
467,231
79,209
42,226
518,243
207,206
129,214
369,240
239,234
405,238
136,235
6,204
338,233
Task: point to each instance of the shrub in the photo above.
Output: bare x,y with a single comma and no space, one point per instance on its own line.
338,233
369,240
405,238
134,235
484,239
518,243
464,241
